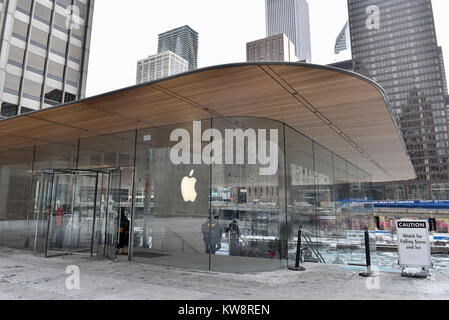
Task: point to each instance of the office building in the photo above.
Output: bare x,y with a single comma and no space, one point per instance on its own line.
146,152
343,42
160,66
290,17
403,56
442,70
44,53
277,48
183,41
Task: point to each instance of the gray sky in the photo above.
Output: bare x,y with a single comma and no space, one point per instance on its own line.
123,34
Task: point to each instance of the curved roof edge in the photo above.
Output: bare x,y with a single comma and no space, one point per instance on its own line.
168,86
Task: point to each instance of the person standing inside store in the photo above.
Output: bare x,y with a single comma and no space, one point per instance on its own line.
124,231
234,238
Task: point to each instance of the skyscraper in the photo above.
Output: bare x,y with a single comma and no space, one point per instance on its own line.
44,53
160,66
272,49
183,41
402,55
343,42
290,17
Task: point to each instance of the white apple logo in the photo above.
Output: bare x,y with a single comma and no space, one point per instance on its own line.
188,188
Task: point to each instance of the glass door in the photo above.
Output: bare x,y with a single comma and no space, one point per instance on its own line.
61,214
70,212
84,213
101,209
113,214
42,188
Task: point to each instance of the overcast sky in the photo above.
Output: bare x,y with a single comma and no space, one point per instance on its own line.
123,34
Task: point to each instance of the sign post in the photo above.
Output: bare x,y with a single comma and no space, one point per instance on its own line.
414,248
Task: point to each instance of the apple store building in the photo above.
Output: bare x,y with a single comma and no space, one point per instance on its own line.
214,169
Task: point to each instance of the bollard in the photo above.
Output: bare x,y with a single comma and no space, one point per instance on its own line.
368,272
297,266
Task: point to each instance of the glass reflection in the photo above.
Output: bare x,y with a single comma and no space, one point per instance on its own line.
221,213
245,203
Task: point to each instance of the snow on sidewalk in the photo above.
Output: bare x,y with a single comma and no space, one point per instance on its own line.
25,276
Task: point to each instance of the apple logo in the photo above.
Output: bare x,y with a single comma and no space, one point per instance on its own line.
188,188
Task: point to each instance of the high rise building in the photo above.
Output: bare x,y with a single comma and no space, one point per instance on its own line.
290,17
343,42
183,41
272,49
160,66
44,53
402,55
442,69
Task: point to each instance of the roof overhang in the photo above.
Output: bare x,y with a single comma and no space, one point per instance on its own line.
343,111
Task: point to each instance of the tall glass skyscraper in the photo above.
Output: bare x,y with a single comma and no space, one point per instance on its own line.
44,53
183,41
401,53
290,17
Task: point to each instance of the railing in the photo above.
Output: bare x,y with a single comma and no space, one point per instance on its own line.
312,247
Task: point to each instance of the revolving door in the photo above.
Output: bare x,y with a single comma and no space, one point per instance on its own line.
76,212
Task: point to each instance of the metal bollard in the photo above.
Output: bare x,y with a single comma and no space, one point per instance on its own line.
297,266
368,272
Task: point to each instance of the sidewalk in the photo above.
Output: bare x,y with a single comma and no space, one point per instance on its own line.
24,276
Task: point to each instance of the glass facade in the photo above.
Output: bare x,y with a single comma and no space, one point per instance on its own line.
247,207
411,190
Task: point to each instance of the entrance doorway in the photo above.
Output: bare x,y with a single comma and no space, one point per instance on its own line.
76,212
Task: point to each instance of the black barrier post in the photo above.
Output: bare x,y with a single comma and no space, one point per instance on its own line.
297,266
368,272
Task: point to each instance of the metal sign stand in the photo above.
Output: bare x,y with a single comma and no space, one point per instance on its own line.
297,266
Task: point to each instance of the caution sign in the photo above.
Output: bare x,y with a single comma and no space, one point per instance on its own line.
414,244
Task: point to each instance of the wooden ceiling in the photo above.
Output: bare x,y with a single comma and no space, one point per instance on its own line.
342,111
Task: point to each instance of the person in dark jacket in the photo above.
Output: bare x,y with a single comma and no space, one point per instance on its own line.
234,238
212,233
124,231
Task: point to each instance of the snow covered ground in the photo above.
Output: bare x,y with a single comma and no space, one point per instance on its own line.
24,276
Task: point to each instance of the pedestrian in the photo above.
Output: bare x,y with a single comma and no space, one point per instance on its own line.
234,238
124,231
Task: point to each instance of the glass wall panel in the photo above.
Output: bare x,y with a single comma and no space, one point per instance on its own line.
15,181
301,189
56,156
248,227
325,203
395,192
418,192
107,152
171,219
361,216
341,189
